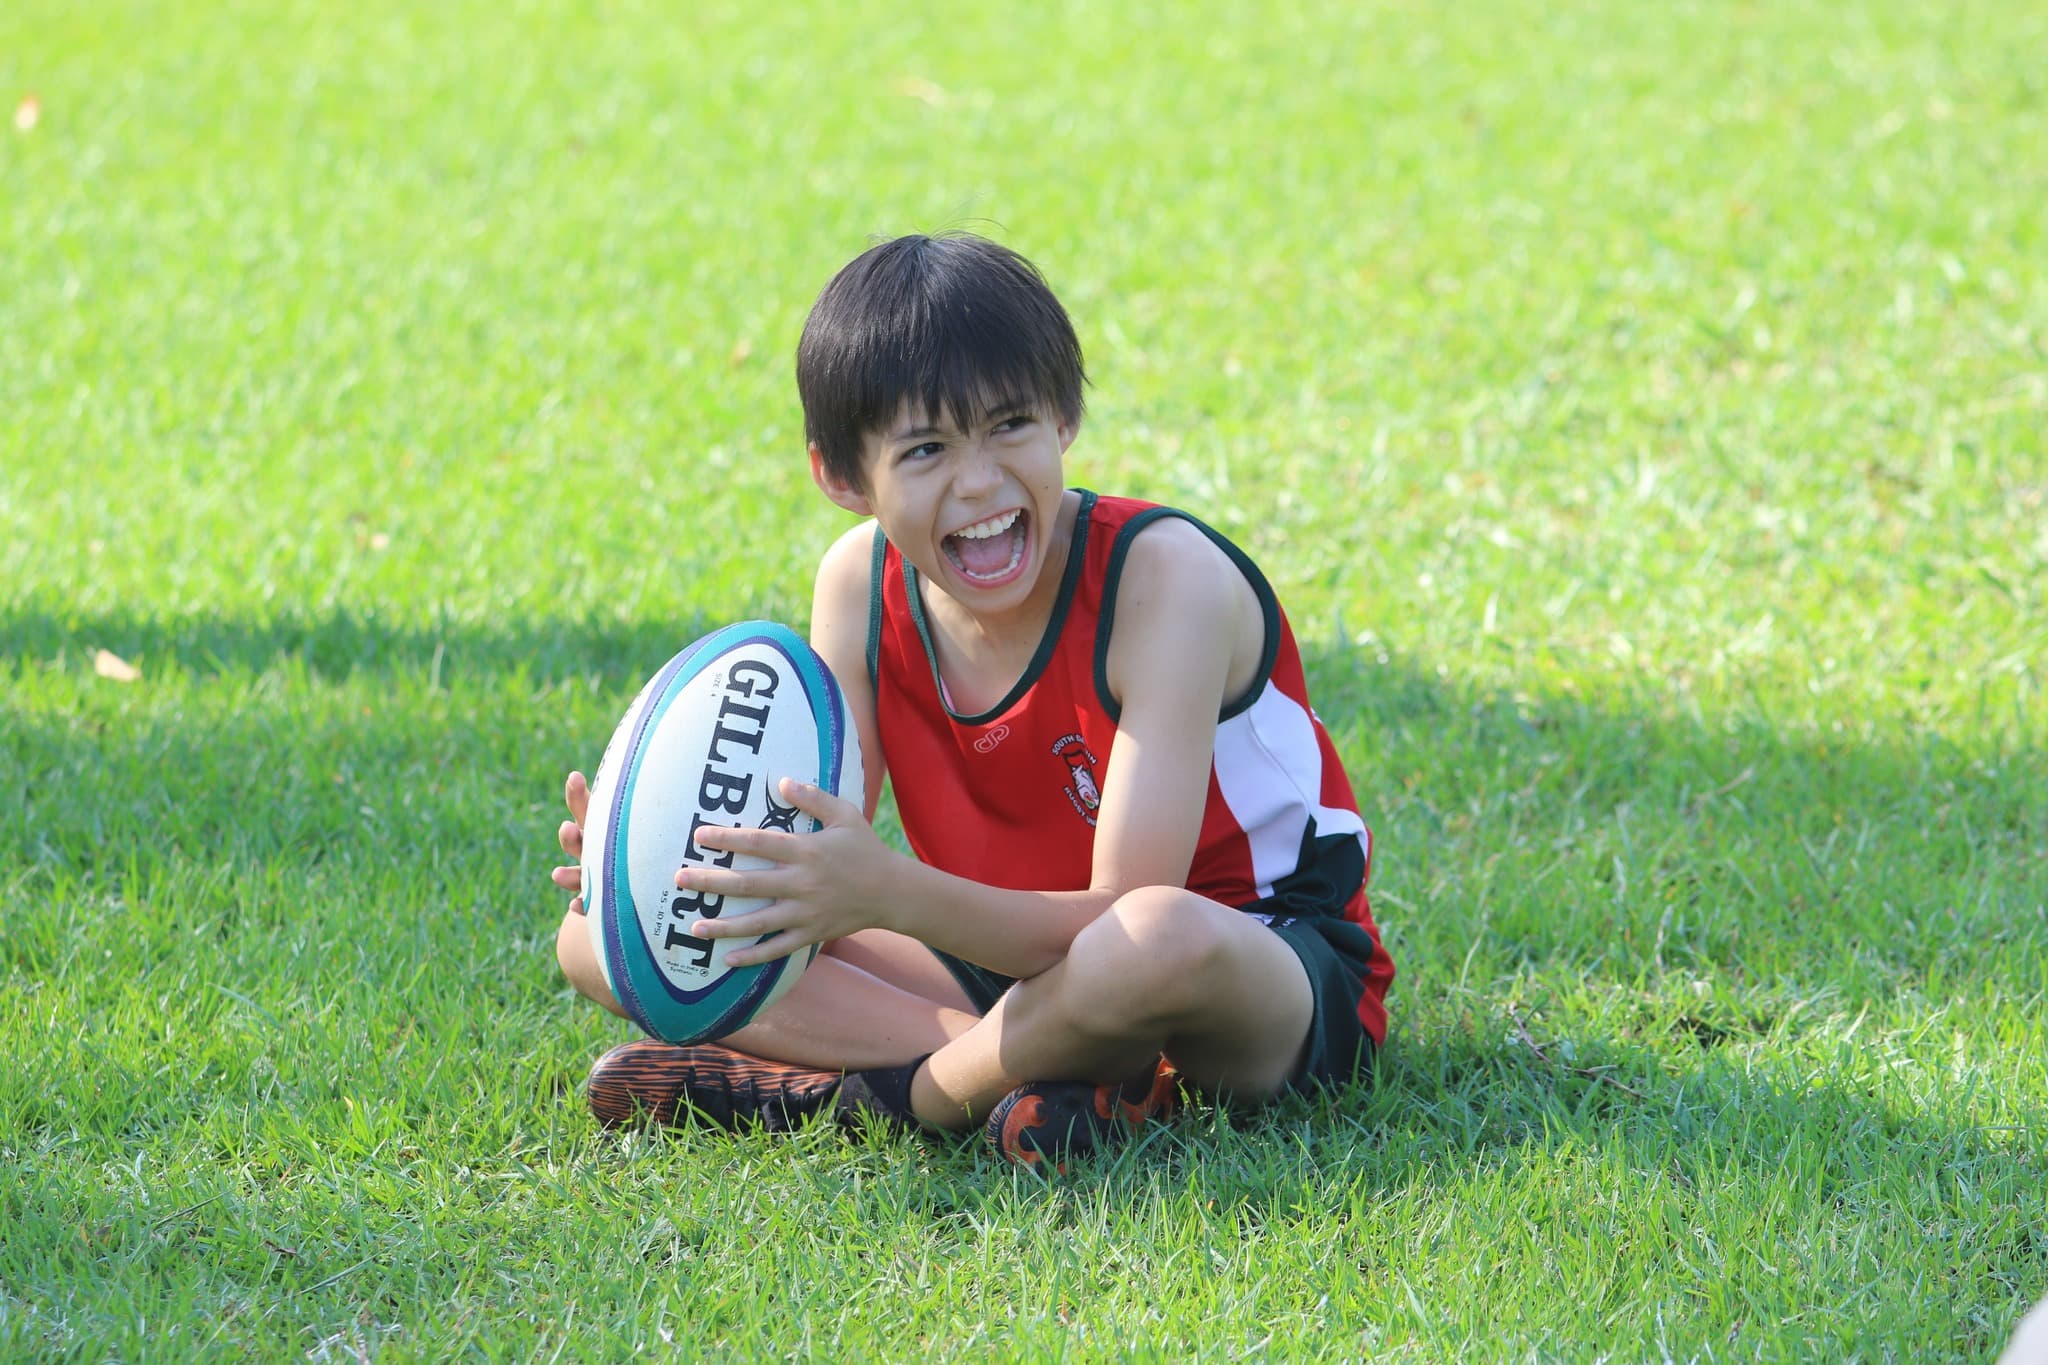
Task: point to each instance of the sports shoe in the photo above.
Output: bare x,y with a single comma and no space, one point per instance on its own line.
665,1083
1060,1120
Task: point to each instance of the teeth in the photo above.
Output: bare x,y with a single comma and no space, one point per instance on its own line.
994,526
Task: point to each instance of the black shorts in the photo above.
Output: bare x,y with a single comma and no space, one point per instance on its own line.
1334,952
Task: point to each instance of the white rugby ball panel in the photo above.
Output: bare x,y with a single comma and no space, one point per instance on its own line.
705,743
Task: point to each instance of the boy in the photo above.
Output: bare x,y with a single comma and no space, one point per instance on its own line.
1137,852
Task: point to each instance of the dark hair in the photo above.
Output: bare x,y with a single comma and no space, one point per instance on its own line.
955,325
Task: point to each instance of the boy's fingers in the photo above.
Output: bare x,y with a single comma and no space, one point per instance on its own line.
759,843
571,836
577,793
728,882
786,938
785,917
782,945
568,878
815,801
753,924
576,906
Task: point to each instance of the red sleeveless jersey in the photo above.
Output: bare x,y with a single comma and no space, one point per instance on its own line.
1008,797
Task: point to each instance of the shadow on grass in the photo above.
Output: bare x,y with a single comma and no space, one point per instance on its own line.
1513,835
1652,838
1768,1181
1510,832
1676,886
335,646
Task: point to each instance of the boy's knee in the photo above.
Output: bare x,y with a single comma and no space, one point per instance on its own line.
570,937
1155,948
578,960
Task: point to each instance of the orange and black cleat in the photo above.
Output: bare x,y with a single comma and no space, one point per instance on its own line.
1043,1126
651,1082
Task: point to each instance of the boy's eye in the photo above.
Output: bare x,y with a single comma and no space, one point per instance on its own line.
923,452
1015,422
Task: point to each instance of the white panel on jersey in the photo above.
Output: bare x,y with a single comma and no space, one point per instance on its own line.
1270,769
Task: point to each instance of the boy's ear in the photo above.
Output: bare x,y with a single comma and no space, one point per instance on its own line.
832,486
1068,431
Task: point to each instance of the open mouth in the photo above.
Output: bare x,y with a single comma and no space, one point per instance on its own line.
991,552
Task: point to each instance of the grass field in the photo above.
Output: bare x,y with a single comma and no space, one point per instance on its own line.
1643,411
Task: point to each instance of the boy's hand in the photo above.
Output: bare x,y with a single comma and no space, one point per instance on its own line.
824,885
577,793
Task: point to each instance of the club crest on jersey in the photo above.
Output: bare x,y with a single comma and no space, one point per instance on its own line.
1083,791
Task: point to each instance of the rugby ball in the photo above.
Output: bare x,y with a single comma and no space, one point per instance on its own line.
705,743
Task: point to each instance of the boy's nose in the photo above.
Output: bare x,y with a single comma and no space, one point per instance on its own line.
978,473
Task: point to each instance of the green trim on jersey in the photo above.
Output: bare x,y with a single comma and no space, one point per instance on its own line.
881,557
1105,621
1070,577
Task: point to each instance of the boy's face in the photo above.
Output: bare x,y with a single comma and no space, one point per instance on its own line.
975,506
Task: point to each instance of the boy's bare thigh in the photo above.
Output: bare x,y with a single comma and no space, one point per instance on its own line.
904,963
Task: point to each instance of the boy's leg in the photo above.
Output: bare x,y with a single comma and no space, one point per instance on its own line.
871,1000
1162,970
905,963
867,1001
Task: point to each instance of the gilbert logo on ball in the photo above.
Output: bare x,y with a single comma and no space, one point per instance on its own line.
705,743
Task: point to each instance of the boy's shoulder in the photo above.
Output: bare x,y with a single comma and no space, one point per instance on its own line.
1164,556
1186,609
848,562
839,602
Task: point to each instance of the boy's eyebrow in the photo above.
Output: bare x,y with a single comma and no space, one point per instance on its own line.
1009,406
1013,404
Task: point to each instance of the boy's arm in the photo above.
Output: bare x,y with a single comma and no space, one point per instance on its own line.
1189,635
839,632
1188,629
